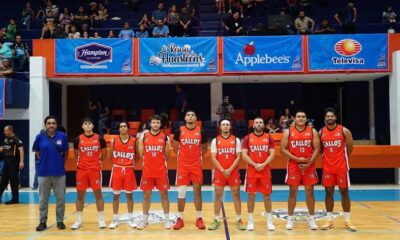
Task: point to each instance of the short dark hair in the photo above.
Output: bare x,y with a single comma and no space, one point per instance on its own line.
190,110
300,111
259,118
155,117
87,119
123,121
330,109
10,127
50,117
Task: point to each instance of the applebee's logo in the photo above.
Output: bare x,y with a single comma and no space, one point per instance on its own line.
173,55
347,49
250,59
93,53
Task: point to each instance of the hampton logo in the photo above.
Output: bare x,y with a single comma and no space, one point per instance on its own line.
173,55
301,214
249,59
348,49
93,53
155,217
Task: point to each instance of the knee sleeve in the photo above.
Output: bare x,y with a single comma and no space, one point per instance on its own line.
182,191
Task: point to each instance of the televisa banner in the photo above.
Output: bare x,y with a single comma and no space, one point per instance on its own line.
94,56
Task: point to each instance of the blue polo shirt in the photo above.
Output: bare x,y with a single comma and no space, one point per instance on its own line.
51,162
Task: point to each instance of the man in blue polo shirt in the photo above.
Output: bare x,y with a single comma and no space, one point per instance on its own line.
51,148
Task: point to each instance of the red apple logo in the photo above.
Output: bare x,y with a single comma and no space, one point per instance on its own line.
249,49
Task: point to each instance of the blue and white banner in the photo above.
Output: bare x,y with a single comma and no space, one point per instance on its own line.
178,55
360,52
263,54
2,97
93,56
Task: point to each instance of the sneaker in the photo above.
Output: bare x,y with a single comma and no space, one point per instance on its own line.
349,226
41,227
114,224
11,202
240,225
200,224
102,224
167,224
270,226
142,224
179,224
312,224
327,225
289,224
214,225
77,224
132,223
60,225
250,226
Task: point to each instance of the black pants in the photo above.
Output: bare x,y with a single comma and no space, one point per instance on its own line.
10,174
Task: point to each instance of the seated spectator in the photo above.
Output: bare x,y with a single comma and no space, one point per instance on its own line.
81,19
66,19
389,16
286,119
111,34
185,22
146,22
173,21
225,109
325,27
127,32
161,30
100,15
233,25
6,70
47,32
73,33
247,8
27,15
11,30
347,18
270,126
304,24
60,33
220,6
142,32
50,7
85,35
3,34
96,35
92,11
292,7
235,6
21,50
159,14
190,7
6,52
288,28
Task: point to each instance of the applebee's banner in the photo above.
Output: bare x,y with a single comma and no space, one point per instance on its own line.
359,52
178,55
263,54
93,56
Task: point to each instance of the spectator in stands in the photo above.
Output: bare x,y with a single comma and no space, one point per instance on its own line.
47,32
248,8
173,21
181,101
347,18
325,27
100,15
225,110
145,21
73,33
6,52
111,34
96,35
389,16
142,32
60,33
27,15
50,7
92,11
304,24
11,30
287,28
185,22
292,7
285,119
81,19
104,117
190,7
235,6
270,126
85,35
6,70
161,30
21,50
142,129
220,6
233,25
3,34
159,14
66,19
127,32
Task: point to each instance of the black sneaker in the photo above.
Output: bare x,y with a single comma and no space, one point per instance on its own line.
60,225
41,227
11,202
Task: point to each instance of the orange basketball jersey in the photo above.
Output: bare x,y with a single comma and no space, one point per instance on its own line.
300,143
334,155
154,161
124,153
89,152
190,141
226,150
258,148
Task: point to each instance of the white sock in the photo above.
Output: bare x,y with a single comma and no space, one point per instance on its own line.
79,216
180,214
311,217
250,217
130,216
329,215
199,214
145,217
269,216
115,217
290,217
347,216
216,217
100,216
166,215
238,217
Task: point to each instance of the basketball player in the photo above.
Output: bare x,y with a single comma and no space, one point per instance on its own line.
225,155
90,149
123,155
337,145
301,145
258,151
154,148
189,145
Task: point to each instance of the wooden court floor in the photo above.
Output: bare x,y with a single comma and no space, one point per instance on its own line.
375,220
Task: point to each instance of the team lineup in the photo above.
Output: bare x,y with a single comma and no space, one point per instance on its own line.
301,145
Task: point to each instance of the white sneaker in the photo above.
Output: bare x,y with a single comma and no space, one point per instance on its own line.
289,224
114,224
270,226
77,224
102,224
312,224
131,223
142,224
167,224
250,226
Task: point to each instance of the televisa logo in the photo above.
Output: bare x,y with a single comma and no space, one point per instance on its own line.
348,49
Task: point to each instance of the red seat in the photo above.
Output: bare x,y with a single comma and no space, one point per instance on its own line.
239,114
118,113
173,115
267,113
145,114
